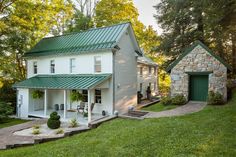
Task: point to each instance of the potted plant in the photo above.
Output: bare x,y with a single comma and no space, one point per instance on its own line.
76,96
37,94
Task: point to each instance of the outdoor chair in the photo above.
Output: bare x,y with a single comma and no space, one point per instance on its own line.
81,107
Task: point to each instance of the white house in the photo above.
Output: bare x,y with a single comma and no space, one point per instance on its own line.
147,75
100,63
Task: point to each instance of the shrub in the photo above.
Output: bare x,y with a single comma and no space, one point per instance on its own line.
85,114
36,127
36,131
166,101
54,121
179,100
59,131
215,98
73,123
5,110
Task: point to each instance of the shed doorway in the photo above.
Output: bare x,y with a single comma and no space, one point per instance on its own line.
198,87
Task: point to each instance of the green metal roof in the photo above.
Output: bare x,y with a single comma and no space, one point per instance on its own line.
80,42
196,43
63,81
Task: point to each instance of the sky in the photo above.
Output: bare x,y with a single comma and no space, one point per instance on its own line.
146,12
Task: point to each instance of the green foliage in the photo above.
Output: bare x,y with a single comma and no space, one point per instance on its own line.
212,22
85,114
76,96
166,101
37,94
59,131
215,98
7,93
73,123
36,131
54,121
5,110
179,100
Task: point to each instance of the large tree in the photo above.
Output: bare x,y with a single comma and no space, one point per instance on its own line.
212,22
27,22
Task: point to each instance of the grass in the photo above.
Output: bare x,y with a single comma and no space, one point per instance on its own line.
210,132
159,107
10,122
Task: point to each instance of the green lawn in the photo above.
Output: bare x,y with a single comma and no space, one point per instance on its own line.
210,132
11,121
158,107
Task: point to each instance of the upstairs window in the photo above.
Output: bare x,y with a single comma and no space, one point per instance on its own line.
35,66
52,66
72,65
150,70
141,71
98,96
97,64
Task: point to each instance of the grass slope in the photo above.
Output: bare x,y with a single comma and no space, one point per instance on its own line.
10,122
159,107
210,132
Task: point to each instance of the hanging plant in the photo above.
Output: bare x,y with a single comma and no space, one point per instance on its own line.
37,94
76,96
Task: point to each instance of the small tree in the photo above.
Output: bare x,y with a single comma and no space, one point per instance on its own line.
54,121
5,110
76,96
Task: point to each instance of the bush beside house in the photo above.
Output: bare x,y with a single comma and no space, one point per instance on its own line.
177,100
54,121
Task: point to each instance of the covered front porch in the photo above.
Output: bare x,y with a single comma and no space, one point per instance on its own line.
56,96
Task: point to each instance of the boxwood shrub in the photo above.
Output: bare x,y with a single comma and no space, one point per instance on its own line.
54,121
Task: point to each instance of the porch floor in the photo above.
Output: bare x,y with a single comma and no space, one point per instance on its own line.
69,115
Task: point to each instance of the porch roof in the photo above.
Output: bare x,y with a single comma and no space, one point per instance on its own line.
63,81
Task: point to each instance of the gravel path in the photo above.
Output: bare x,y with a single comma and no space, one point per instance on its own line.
190,107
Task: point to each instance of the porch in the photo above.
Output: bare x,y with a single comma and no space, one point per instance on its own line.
56,91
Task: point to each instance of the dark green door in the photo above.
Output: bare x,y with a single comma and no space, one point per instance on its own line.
198,87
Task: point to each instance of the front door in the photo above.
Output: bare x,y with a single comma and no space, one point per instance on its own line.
198,87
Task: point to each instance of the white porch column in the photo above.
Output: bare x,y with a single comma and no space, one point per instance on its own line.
89,106
65,97
45,102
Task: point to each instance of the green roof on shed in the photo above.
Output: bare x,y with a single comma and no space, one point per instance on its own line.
188,50
80,42
63,81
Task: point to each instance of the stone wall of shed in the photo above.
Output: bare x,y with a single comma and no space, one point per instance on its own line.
199,60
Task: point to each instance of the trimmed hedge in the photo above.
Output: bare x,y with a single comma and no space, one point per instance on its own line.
54,121
215,98
177,100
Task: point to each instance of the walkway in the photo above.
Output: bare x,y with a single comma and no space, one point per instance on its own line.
190,107
7,138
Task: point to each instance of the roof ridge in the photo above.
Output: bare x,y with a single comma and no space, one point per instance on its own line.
90,29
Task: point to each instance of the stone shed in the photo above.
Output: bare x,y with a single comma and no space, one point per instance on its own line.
196,72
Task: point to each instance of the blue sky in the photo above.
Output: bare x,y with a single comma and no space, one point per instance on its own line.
146,12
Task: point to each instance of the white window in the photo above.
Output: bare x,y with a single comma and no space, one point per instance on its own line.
98,96
35,66
150,70
141,71
72,65
52,66
97,64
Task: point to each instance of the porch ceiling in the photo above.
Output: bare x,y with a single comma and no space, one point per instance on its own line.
63,81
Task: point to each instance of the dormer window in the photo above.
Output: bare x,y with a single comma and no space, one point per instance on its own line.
72,65
52,66
97,64
35,67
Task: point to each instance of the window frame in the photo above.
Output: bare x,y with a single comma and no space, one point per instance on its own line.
52,66
97,64
72,67
98,96
35,67
141,71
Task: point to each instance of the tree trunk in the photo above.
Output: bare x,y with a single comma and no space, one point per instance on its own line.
234,52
